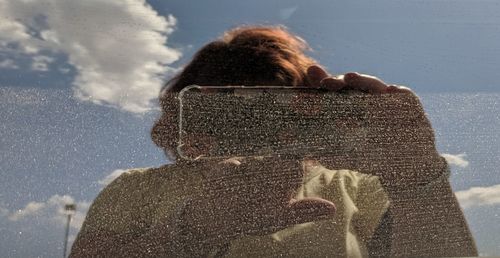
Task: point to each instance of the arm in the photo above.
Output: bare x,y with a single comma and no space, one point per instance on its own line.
157,241
424,216
119,222
169,239
428,221
234,199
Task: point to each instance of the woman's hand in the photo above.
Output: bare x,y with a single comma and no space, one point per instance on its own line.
398,142
251,196
352,81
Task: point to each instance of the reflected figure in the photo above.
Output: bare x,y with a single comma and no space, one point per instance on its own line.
392,197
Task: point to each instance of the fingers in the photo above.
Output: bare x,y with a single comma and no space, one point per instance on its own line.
372,84
315,74
332,83
318,77
365,83
398,89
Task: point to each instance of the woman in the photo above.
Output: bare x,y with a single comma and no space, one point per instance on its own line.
395,203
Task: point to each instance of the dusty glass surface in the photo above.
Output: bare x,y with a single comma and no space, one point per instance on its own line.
79,82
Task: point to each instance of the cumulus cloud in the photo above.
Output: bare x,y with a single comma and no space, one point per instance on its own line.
109,178
117,47
479,196
51,211
31,208
14,32
42,221
8,64
457,160
41,63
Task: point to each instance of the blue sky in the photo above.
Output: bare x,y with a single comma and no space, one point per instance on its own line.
78,82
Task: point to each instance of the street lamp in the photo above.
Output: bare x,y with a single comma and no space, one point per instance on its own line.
69,210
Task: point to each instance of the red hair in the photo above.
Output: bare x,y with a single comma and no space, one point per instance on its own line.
249,55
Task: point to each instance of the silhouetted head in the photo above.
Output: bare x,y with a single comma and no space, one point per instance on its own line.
249,56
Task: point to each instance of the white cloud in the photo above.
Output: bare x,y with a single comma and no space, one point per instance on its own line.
479,196
109,178
31,208
118,47
8,64
41,63
43,221
64,70
457,160
12,31
51,211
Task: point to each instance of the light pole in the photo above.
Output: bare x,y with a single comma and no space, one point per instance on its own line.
69,210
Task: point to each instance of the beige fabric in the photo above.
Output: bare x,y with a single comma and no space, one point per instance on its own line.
141,198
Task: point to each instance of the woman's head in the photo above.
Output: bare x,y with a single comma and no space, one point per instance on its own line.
247,56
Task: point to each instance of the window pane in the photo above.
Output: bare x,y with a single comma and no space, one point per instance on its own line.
79,88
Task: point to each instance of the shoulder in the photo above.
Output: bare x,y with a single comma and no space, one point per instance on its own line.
135,200
135,186
124,192
127,182
154,175
141,182
119,196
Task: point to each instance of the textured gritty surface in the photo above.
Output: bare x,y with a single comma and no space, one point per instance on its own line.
385,140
